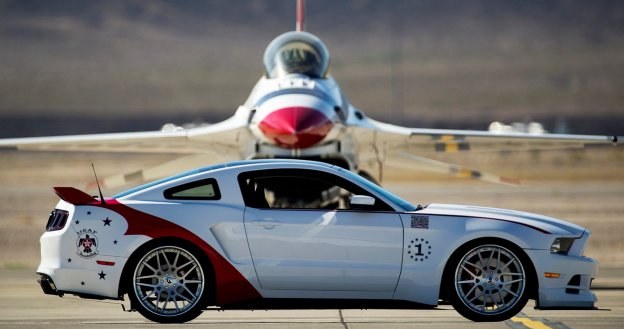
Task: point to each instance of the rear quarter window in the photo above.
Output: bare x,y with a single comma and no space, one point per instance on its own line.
205,189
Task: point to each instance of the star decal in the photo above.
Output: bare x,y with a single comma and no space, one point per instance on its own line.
107,221
102,275
82,283
115,242
77,222
88,212
69,260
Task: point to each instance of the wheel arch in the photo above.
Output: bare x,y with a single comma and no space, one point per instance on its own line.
127,271
447,275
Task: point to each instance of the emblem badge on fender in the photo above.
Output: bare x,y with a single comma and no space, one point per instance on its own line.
87,243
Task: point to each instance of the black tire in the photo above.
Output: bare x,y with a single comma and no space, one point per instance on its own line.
168,283
487,281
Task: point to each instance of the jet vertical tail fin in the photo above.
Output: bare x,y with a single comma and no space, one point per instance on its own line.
300,15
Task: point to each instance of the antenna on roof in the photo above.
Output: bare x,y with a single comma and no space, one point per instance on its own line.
98,184
300,15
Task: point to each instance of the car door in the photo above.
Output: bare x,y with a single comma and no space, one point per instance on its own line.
303,235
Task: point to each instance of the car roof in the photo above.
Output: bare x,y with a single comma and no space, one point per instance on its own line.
233,164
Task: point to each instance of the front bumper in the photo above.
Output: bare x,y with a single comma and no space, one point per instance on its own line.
572,289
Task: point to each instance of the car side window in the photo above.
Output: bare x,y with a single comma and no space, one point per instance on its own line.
299,189
205,189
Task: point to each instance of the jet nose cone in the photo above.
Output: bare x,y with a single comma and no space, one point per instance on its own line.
295,127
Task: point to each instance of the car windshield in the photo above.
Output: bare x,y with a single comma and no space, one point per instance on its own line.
403,204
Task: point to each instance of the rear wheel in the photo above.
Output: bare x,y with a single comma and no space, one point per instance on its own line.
488,282
169,285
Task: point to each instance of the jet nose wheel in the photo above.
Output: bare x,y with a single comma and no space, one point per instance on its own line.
168,285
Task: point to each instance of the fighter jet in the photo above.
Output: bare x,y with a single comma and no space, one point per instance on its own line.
297,110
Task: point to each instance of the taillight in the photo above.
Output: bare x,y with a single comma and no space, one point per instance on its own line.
57,220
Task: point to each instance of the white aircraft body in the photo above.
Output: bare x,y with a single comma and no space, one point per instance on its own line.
297,110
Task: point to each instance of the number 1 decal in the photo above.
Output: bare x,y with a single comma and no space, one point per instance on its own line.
419,249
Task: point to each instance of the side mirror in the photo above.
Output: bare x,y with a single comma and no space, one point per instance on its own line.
361,201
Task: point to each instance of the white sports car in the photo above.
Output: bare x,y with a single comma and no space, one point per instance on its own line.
301,234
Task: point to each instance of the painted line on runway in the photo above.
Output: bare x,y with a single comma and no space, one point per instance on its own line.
342,319
601,287
522,321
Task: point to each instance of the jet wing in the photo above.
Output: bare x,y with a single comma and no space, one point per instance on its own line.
410,148
217,137
382,138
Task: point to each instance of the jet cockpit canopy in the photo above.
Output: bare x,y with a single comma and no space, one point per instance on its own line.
296,53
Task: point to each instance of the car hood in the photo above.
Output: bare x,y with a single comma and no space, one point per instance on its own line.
540,222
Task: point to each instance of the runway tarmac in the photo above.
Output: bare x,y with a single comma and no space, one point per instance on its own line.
23,305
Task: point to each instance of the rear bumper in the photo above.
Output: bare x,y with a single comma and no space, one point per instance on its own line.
66,269
49,288
47,285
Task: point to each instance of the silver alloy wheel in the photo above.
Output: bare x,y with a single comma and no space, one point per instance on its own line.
168,281
490,280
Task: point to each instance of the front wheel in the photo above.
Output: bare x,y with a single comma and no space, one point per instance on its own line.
168,285
488,282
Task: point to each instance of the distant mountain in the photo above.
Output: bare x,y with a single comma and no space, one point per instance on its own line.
444,63
597,19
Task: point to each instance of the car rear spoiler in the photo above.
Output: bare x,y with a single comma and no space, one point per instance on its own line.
75,196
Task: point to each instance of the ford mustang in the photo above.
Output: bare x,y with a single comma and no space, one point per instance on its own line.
301,234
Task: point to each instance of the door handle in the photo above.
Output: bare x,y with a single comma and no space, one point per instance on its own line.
268,223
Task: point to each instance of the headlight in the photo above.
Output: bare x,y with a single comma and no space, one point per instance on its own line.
561,245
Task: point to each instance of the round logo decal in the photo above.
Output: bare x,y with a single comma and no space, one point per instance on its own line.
419,250
87,243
